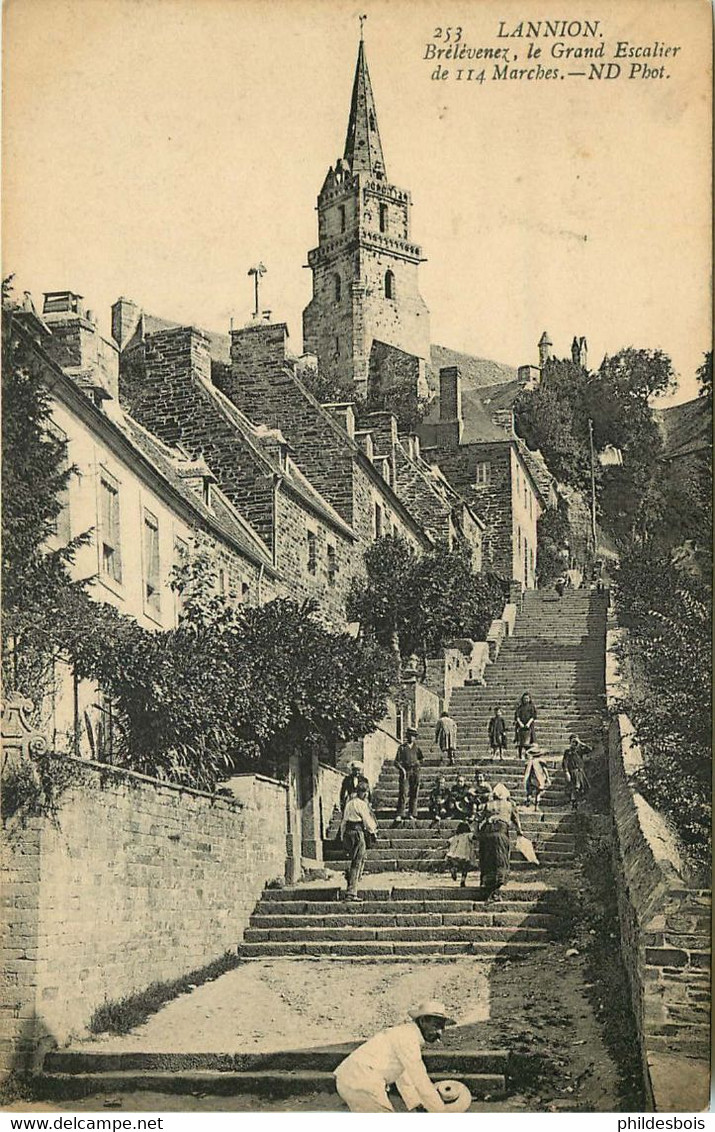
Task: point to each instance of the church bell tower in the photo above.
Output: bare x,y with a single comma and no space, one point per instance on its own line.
365,267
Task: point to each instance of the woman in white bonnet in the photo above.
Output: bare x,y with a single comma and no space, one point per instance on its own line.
496,818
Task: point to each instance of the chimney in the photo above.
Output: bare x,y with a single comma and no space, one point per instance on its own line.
344,412
258,348
76,345
545,349
450,394
182,352
125,320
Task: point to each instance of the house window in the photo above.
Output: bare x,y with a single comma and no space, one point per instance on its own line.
332,565
383,217
341,210
378,521
312,553
337,288
152,592
484,473
110,532
244,591
61,524
389,285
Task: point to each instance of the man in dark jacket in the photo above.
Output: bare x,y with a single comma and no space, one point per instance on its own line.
408,759
351,782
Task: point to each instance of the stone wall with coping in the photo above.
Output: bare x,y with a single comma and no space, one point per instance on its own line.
665,930
129,881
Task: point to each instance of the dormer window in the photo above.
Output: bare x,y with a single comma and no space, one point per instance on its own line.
389,285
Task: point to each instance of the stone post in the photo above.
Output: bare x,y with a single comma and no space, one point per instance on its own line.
312,846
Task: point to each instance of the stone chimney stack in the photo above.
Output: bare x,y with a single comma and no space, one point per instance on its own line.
450,394
126,316
259,347
545,349
77,346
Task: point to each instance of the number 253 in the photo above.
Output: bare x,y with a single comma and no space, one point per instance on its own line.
448,34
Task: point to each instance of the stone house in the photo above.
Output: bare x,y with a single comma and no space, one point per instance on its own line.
488,465
143,503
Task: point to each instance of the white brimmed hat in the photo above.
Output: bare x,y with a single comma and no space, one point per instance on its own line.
431,1008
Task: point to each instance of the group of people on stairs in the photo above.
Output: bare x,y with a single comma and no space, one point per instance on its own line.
485,814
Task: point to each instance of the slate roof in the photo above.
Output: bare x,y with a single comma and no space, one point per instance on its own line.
476,372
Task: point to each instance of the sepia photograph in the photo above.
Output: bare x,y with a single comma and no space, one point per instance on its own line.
356,558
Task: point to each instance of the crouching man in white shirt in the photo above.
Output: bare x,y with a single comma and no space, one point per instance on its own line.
394,1057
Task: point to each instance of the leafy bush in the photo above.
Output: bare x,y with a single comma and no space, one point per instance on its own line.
668,614
233,685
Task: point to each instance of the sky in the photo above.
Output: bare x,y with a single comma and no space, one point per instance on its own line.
157,149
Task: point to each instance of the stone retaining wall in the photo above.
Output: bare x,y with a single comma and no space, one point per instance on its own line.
665,940
128,882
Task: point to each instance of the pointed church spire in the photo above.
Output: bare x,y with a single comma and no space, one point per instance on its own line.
363,149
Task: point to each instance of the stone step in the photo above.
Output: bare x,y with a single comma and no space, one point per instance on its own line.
271,1083
517,893
386,815
439,840
426,864
345,917
370,949
324,1059
544,905
420,934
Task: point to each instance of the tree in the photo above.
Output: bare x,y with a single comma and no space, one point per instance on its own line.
704,375
417,604
41,602
552,533
551,418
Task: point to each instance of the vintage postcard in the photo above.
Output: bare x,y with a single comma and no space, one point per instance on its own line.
357,556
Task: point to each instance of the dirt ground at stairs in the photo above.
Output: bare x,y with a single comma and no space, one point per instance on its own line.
278,1004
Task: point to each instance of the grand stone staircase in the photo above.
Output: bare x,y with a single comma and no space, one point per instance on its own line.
409,911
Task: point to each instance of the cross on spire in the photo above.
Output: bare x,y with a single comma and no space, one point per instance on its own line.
362,21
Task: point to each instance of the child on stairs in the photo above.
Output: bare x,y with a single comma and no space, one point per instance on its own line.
460,852
497,734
